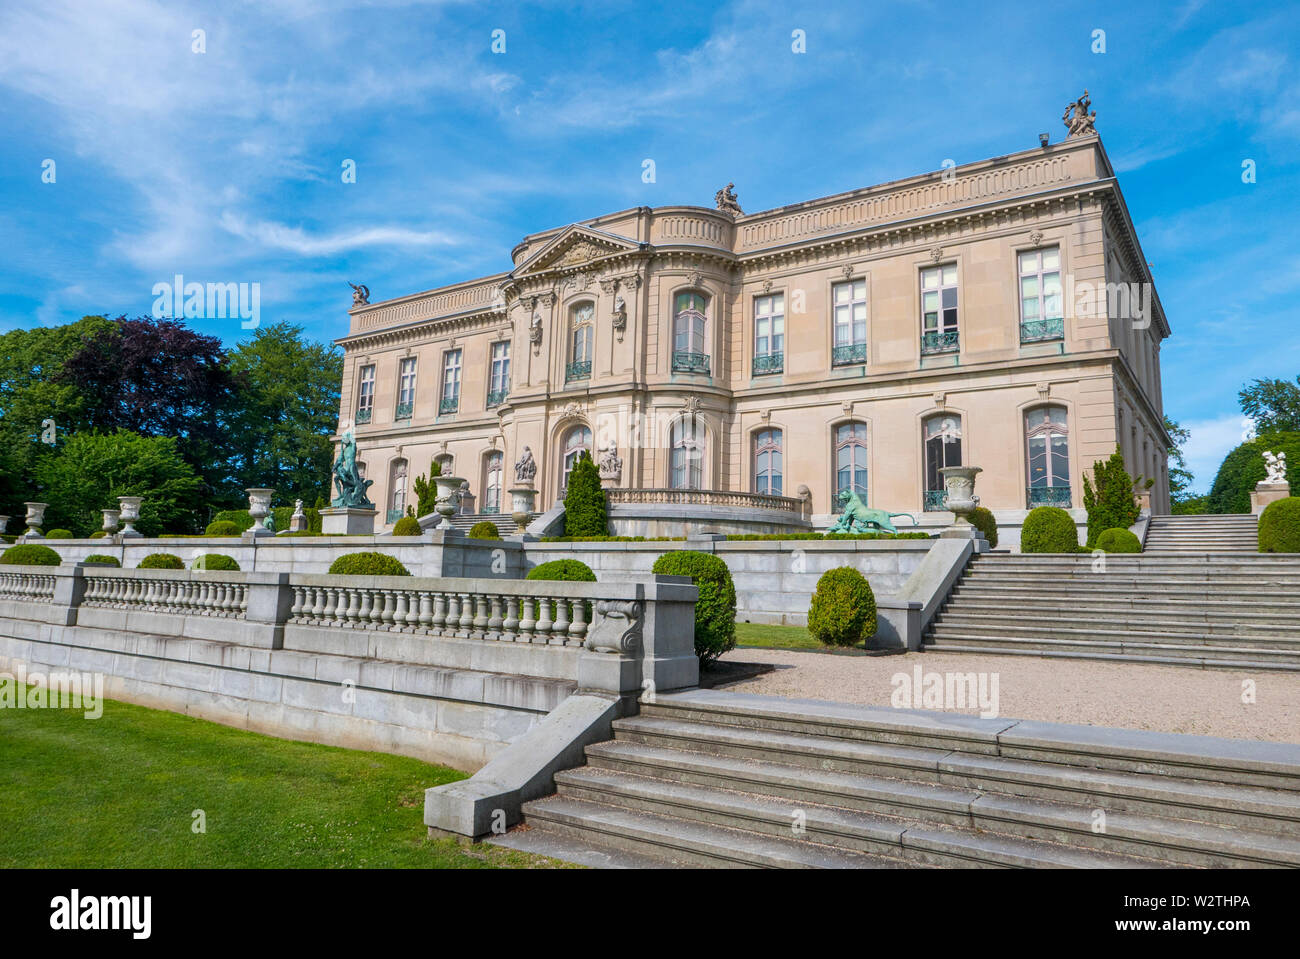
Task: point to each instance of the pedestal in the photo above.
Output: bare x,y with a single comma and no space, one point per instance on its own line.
346,521
1265,493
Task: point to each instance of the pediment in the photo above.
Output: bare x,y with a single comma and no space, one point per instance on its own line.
573,247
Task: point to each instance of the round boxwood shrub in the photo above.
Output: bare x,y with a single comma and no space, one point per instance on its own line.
982,519
843,609
161,561
715,610
223,527
98,534
485,529
407,526
59,534
367,564
215,561
29,554
242,518
563,570
102,560
1049,529
1279,526
1118,541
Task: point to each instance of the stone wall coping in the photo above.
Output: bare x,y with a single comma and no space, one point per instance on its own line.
654,587
743,546
203,575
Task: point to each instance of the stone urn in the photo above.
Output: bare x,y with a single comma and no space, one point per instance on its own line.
35,520
259,505
130,512
448,499
110,520
960,498
522,499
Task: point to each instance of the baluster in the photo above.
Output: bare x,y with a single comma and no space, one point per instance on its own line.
453,614
542,631
511,625
560,630
399,612
480,613
425,618
327,610
363,610
376,609
317,604
578,628
495,620
466,625
413,600
527,624
439,621
352,615
296,611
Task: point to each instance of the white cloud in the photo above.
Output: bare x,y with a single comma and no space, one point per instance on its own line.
280,236
1210,441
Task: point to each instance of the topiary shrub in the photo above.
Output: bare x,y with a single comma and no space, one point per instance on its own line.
59,534
486,529
585,512
29,554
983,520
407,526
367,564
1108,497
240,517
1118,541
98,534
1049,529
563,570
222,527
1279,526
215,561
102,560
161,561
715,610
843,609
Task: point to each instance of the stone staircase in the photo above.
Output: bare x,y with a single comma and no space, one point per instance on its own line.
708,778
1215,610
1226,533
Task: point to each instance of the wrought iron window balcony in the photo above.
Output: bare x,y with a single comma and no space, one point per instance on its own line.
934,500
449,404
578,371
394,515
851,355
684,362
1048,496
939,341
363,415
1039,331
497,397
769,363
403,411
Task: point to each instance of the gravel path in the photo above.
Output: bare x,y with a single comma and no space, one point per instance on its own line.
1166,698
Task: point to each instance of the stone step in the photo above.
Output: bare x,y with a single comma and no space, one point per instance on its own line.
894,781
1268,595
1211,610
1103,652
1281,633
833,825
594,855
689,843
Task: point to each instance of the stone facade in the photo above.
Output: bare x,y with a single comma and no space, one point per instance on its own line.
654,330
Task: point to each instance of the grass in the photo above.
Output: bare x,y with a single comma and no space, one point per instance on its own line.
765,636
121,791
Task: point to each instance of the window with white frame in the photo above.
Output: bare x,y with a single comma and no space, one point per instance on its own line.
942,438
576,442
582,334
690,319
397,490
686,470
850,461
939,309
366,394
493,471
499,374
849,318
767,462
769,333
1041,316
1047,444
406,388
450,382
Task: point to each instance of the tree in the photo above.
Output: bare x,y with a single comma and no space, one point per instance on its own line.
1180,477
1274,405
426,491
1108,497
93,469
286,409
584,502
1244,467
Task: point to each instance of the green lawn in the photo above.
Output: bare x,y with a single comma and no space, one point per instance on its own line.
764,636
121,790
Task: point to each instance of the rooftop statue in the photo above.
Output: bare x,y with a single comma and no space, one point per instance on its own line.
352,488
727,201
1077,119
857,517
360,294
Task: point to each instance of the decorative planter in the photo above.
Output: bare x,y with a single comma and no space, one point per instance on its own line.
448,498
522,499
110,520
259,505
130,510
959,482
35,520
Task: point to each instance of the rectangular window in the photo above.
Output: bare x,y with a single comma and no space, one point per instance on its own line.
939,309
849,320
366,394
405,388
1040,295
769,324
450,382
499,374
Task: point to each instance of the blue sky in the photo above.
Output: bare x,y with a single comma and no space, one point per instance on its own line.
225,165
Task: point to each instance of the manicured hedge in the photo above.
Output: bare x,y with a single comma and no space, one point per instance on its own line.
715,611
161,561
59,534
215,561
484,529
1118,541
98,534
242,518
563,570
1279,526
1049,529
102,559
843,609
1244,467
984,521
367,564
29,554
407,526
223,527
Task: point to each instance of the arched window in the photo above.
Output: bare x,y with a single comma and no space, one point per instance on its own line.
690,313
1047,443
576,442
687,458
493,466
581,332
397,490
446,464
767,462
942,439
850,461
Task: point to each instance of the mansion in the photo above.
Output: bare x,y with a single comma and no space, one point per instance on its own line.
975,316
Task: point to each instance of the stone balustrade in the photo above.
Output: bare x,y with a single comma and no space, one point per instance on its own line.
27,586
704,497
209,596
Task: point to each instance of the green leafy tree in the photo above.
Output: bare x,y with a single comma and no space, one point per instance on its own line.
286,409
426,491
1180,477
93,469
1108,497
1274,405
585,512
1244,467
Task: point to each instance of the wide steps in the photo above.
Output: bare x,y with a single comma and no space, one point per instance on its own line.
1118,625
1149,654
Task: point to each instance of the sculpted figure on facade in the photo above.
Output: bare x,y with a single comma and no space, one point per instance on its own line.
611,464
360,294
525,468
619,316
1275,463
727,201
1077,119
